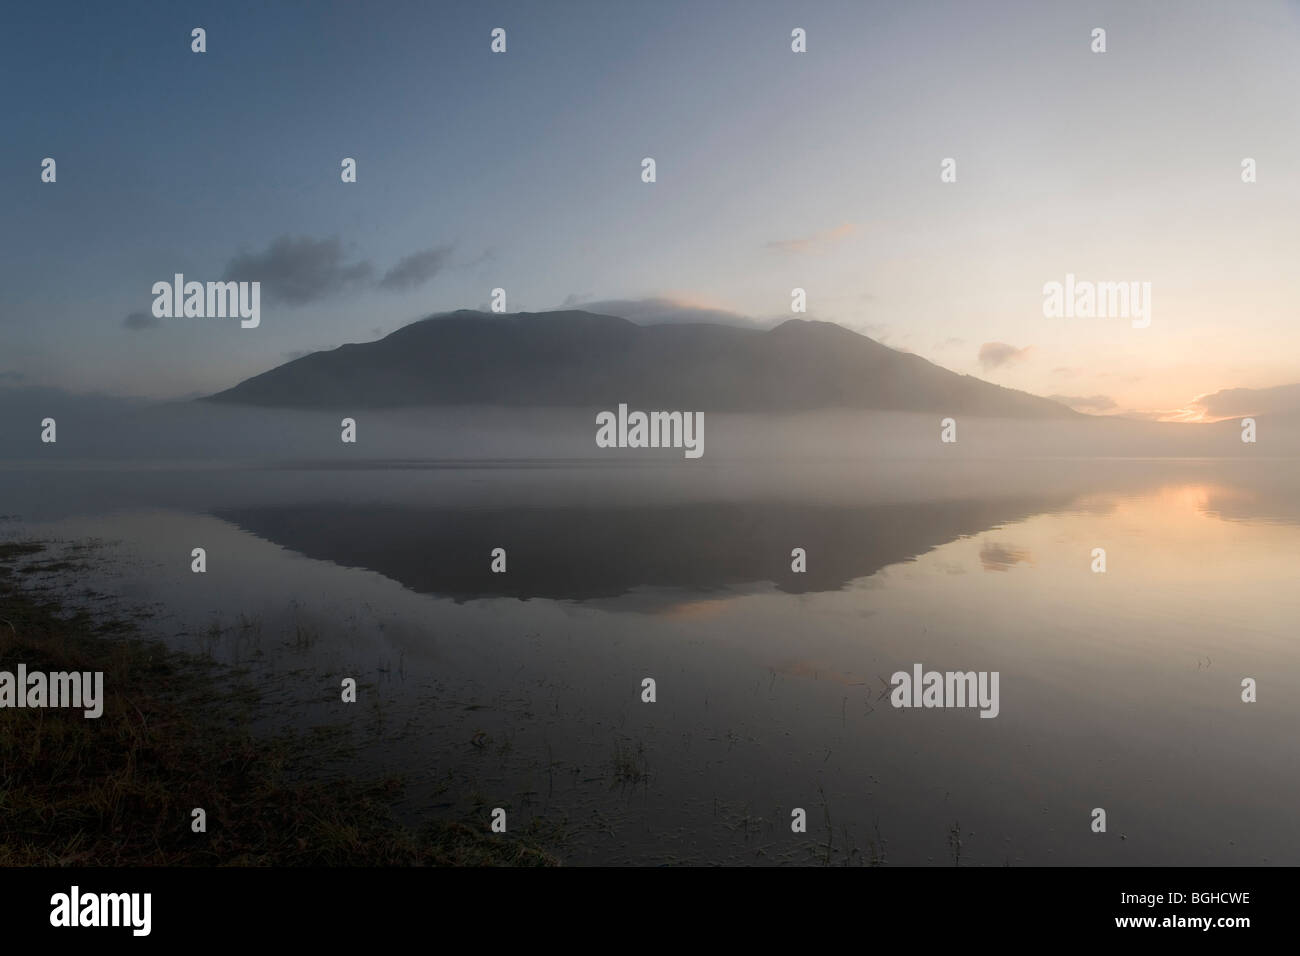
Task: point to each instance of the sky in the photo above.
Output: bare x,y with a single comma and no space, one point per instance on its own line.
774,170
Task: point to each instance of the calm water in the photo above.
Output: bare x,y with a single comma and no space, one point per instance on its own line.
1119,690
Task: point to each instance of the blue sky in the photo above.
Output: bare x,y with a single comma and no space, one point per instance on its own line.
775,170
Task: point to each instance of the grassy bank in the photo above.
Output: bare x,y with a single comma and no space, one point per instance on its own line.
120,789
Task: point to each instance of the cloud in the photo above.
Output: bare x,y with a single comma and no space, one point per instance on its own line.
1087,403
1242,402
817,243
297,271
487,255
301,270
415,270
12,376
666,310
137,321
997,354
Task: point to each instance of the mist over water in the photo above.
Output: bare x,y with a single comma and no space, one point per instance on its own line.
122,430
522,689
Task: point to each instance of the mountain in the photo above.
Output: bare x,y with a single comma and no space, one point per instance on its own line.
575,358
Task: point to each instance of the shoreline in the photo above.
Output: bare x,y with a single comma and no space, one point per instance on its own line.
175,737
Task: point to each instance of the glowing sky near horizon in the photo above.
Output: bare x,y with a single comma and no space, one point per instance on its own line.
775,170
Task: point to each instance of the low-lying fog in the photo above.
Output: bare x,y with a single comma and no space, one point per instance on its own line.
127,431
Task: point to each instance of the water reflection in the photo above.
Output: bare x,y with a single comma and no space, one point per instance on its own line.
1118,689
576,553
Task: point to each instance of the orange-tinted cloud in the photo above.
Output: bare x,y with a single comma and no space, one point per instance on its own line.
997,354
816,243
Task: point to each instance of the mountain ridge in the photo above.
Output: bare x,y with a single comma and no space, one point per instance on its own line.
586,359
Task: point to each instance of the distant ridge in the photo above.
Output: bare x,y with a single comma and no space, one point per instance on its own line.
582,359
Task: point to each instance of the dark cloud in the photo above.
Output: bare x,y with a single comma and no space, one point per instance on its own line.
415,270
300,270
1086,403
137,321
996,354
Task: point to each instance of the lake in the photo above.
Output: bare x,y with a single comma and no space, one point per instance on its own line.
1119,690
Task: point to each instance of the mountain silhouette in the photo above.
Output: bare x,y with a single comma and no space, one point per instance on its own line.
582,359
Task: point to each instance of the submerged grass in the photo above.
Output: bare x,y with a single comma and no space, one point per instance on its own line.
175,736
